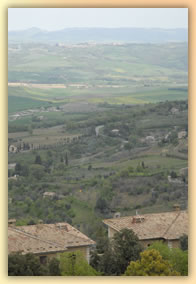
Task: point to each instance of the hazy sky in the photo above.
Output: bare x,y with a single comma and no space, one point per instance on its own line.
60,18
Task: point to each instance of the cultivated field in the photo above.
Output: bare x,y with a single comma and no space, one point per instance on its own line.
102,126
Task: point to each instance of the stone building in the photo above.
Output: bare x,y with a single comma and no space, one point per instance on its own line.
47,240
167,226
182,134
49,194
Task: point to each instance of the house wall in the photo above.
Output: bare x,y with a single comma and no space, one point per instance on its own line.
84,250
111,232
173,243
146,243
47,256
169,243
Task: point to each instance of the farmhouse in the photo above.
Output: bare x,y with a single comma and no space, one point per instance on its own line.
11,166
174,180
49,194
149,139
183,171
182,134
115,131
174,110
167,226
15,177
47,240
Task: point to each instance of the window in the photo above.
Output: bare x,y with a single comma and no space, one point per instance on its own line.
43,259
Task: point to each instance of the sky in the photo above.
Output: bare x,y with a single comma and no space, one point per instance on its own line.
59,18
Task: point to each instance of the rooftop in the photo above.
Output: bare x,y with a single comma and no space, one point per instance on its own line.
167,225
45,238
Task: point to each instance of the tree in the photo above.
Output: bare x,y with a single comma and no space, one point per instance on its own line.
150,264
95,260
66,159
101,238
126,248
49,154
173,174
10,173
128,146
179,260
175,256
107,263
74,264
184,242
18,168
53,266
25,265
112,257
37,171
21,169
102,258
162,248
89,167
101,204
38,160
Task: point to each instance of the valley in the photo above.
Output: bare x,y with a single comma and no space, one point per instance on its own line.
104,128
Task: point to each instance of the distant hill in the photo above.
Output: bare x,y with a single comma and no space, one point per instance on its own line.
100,35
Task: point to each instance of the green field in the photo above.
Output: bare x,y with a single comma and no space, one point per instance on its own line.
20,98
17,103
128,74
133,92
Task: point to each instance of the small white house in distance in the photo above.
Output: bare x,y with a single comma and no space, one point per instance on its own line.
15,177
49,194
115,131
150,139
174,110
11,166
182,134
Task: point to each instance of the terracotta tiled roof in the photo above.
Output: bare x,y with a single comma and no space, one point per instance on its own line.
25,243
168,225
45,238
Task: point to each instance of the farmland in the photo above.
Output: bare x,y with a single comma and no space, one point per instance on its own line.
102,126
98,70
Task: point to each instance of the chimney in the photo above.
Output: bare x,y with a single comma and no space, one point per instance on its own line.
138,219
62,226
134,220
176,207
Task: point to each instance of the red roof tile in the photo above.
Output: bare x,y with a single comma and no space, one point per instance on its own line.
167,225
45,238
